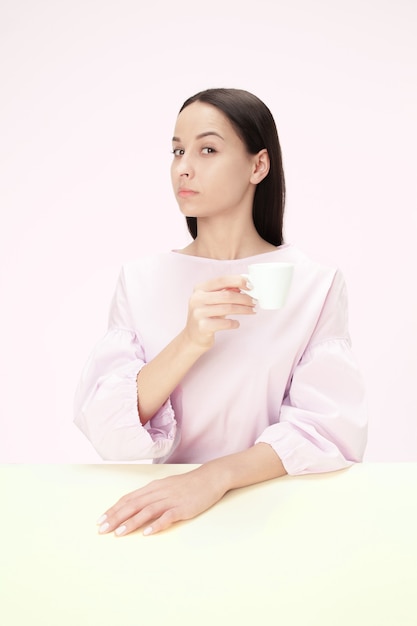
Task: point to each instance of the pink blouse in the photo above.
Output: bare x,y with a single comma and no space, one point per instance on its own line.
285,377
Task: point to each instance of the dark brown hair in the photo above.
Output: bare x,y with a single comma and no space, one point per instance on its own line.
253,122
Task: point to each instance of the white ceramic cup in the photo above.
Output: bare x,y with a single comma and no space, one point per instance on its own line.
271,283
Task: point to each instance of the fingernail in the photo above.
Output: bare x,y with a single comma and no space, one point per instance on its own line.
254,301
148,530
249,285
104,527
120,530
101,519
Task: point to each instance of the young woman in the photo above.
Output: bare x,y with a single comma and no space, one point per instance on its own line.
190,370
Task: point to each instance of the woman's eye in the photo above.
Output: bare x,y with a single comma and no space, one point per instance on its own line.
178,151
208,150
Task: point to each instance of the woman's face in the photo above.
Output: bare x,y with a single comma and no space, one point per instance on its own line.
212,172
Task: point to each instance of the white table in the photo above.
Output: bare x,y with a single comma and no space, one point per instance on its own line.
335,549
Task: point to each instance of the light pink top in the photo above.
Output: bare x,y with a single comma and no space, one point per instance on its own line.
286,377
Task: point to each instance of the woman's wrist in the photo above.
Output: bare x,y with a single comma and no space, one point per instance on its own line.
189,348
257,464
158,378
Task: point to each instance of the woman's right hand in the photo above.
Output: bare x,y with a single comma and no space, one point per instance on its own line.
210,305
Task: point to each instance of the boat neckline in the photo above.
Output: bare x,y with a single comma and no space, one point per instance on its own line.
178,253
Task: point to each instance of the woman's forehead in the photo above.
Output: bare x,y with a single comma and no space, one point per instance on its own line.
199,118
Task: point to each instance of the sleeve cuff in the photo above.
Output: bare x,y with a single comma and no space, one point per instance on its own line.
300,454
113,425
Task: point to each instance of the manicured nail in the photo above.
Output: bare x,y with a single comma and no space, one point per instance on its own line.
104,527
101,519
120,530
249,285
148,530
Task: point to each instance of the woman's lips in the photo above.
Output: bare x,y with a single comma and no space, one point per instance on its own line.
186,193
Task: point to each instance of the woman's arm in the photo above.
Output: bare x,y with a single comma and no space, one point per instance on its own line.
163,502
112,401
209,305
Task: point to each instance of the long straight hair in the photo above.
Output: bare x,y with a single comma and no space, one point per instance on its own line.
255,125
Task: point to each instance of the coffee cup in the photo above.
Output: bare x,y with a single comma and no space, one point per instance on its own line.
271,283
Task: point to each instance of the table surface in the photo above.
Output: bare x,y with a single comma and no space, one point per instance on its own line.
333,549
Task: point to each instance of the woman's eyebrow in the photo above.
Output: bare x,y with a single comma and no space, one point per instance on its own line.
208,133
201,135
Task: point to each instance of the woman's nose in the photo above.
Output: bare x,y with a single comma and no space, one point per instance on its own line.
185,167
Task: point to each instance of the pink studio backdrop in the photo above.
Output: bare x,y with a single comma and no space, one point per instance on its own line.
89,96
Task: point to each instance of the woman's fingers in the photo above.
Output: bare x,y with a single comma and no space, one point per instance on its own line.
139,508
162,503
225,296
221,310
130,517
221,303
210,306
149,516
127,507
235,281
163,522
151,521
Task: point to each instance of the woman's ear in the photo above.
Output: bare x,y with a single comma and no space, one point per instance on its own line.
261,166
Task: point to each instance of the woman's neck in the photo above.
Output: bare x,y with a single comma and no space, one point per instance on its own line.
222,243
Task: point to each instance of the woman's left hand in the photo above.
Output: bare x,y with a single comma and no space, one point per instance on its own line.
164,502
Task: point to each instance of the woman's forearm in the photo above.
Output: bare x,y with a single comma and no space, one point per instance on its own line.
209,306
158,378
163,502
257,464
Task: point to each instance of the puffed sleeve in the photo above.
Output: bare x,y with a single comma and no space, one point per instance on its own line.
106,408
323,419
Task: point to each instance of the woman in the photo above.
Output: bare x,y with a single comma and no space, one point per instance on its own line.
250,394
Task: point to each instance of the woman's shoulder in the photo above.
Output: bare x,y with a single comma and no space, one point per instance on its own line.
293,254
317,280
161,268
147,263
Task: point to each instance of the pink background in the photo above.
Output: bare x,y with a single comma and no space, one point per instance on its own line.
89,94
